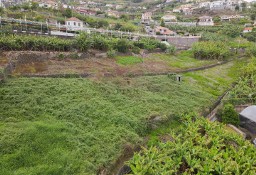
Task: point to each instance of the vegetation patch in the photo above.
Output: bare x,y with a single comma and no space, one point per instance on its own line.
199,147
76,126
182,60
129,60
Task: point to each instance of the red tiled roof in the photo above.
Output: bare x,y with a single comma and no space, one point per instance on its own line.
73,19
248,28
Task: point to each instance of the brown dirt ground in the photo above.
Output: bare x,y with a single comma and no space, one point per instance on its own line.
95,66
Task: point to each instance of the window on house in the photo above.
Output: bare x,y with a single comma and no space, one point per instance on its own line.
74,23
79,24
69,23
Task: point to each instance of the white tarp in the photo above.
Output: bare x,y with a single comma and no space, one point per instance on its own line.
249,113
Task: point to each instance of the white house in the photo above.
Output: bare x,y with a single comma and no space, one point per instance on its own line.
177,10
204,4
217,5
74,23
169,18
205,21
146,18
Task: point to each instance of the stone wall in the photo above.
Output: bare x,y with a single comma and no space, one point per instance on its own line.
180,42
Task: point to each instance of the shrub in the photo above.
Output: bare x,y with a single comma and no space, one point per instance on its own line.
251,51
111,53
123,45
61,56
171,50
136,50
228,115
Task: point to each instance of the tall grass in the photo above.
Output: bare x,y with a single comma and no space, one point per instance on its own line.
76,126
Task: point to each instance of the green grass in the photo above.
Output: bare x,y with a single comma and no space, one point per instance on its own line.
128,60
182,60
76,126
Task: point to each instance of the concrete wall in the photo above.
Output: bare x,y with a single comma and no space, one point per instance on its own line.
180,42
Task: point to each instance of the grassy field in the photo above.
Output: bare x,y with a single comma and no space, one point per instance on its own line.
128,60
182,60
76,126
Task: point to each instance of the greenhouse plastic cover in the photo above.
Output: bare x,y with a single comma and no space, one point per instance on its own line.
249,113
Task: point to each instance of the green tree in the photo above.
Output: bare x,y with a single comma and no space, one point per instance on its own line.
68,13
253,16
123,46
162,23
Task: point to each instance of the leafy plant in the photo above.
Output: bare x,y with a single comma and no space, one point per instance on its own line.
228,115
210,50
199,147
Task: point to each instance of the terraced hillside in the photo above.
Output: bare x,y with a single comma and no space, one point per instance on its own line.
80,126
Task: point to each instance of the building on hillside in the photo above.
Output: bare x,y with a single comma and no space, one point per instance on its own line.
146,18
169,18
221,5
187,11
65,6
49,4
248,119
231,17
205,21
85,11
74,24
114,14
176,10
163,31
247,29
204,4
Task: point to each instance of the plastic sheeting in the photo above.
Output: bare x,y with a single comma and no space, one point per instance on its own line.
249,113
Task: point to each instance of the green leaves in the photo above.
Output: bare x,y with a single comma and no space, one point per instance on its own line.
189,154
210,50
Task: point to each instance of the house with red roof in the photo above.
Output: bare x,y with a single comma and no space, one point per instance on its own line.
163,31
74,23
247,29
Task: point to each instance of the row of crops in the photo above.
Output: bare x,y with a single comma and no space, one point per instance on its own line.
81,43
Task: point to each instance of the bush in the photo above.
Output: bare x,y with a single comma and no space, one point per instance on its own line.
171,50
111,53
123,45
136,50
228,115
251,51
